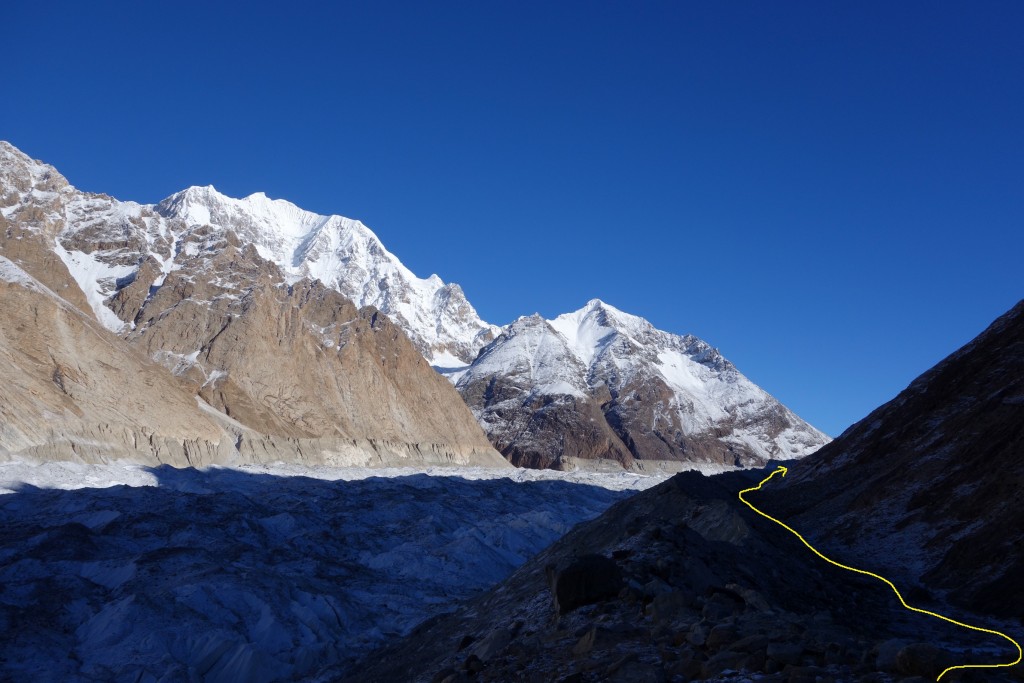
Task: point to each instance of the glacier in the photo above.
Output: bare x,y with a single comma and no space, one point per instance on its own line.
263,573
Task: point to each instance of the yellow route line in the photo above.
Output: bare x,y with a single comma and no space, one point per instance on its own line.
782,470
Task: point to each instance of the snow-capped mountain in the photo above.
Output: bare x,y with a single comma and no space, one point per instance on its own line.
602,384
266,364
103,241
347,256
594,385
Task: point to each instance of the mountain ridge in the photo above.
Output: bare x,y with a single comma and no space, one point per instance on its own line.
122,254
258,369
346,255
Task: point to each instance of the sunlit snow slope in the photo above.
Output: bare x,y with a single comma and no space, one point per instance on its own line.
345,255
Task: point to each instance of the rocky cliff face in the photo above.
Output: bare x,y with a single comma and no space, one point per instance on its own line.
291,369
617,393
297,361
602,386
684,582
105,241
71,390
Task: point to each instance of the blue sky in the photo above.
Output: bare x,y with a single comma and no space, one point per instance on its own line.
831,193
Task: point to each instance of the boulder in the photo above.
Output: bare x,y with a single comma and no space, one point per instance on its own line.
586,580
720,605
723,661
720,636
922,659
750,644
885,660
667,606
496,641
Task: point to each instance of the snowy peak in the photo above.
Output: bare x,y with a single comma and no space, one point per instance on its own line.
536,355
14,162
104,243
596,307
276,217
347,256
592,328
26,181
592,331
277,227
664,397
591,384
286,370
601,340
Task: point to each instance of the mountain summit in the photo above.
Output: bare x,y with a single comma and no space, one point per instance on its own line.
346,256
600,385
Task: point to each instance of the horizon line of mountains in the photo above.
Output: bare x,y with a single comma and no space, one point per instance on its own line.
257,325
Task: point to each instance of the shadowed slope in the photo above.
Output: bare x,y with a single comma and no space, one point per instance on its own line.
934,477
229,576
924,491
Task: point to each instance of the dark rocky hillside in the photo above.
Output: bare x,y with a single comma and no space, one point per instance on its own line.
683,582
935,477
